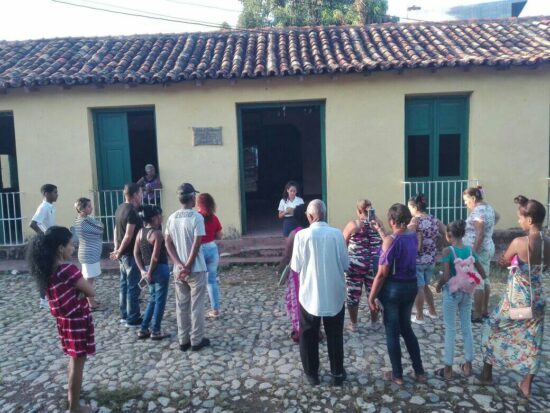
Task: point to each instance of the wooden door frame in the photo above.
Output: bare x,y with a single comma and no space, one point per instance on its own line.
278,105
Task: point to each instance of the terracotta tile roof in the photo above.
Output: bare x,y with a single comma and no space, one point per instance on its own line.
151,59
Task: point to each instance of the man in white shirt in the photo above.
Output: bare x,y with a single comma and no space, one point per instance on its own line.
44,218
320,257
184,231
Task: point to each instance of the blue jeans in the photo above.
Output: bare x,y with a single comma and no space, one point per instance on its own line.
129,289
158,292
424,274
460,303
212,258
398,299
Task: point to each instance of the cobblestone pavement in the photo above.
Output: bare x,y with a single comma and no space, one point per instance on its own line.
251,367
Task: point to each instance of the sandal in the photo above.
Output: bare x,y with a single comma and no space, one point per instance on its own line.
351,327
294,336
388,375
477,320
463,370
213,314
421,378
440,373
143,334
158,335
520,391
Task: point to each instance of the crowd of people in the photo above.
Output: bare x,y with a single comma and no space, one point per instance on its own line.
325,270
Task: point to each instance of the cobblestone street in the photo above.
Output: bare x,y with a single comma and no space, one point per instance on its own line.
251,366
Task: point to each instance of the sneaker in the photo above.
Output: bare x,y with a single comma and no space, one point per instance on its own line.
122,321
143,334
339,380
416,320
44,304
134,324
426,312
185,347
204,343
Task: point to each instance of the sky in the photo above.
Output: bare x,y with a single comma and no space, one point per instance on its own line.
34,19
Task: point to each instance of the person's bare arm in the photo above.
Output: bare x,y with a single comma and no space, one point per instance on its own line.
130,228
172,253
287,254
380,279
506,258
218,235
157,244
446,271
349,230
194,252
85,287
137,253
480,235
442,232
34,226
480,269
282,214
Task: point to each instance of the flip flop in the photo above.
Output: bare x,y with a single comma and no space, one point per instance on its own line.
476,381
388,375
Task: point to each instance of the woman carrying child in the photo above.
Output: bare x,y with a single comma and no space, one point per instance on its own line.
458,261
66,289
152,261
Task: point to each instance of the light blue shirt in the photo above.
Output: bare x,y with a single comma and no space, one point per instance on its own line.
321,257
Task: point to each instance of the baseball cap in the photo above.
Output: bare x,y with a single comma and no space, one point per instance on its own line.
187,189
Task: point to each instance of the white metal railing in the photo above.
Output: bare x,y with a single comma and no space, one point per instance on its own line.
11,221
106,202
444,197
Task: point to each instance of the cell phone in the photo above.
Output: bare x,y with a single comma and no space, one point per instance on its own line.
371,214
143,283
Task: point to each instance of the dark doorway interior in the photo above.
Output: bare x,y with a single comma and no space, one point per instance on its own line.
280,144
143,142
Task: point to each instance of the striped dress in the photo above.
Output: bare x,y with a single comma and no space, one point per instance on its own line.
74,321
89,232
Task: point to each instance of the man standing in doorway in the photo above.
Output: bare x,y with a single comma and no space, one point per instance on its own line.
127,225
43,218
184,231
321,258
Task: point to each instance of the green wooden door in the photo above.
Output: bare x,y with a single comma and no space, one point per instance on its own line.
112,150
113,163
436,130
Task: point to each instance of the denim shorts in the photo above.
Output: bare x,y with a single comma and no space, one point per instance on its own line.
424,274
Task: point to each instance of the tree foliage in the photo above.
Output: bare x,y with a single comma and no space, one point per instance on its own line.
282,13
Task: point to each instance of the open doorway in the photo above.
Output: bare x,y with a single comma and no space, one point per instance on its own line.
11,225
125,141
278,143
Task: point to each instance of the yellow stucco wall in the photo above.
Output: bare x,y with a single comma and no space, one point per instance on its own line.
508,135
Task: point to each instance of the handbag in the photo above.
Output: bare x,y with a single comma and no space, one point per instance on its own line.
525,313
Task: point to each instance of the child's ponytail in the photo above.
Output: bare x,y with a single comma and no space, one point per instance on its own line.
42,252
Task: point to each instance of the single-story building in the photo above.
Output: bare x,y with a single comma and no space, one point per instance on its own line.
377,111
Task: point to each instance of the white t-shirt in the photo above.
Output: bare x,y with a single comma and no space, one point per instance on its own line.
321,257
183,226
44,216
283,205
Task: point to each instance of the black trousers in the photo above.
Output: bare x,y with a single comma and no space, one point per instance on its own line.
309,342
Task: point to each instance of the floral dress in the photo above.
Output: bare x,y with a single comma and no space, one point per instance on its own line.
517,344
428,226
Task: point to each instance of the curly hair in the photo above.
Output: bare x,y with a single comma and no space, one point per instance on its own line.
399,214
148,212
457,228
42,253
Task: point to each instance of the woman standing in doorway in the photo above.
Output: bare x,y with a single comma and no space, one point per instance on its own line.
213,228
428,230
479,236
151,185
287,205
89,232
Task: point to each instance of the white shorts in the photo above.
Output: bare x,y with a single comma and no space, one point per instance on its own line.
91,270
